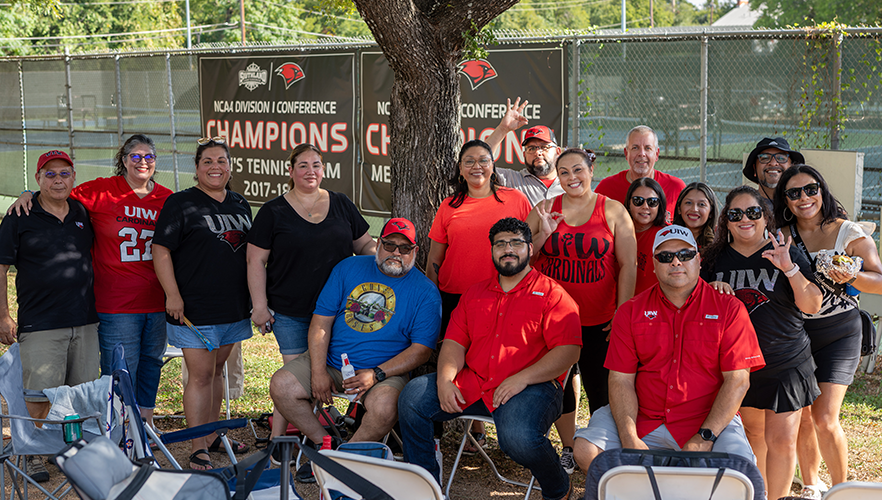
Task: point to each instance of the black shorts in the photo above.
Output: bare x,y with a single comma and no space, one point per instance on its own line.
836,346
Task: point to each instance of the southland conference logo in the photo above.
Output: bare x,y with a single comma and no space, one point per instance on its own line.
252,76
291,73
477,71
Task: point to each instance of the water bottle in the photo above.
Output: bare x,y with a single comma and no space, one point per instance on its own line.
347,370
439,458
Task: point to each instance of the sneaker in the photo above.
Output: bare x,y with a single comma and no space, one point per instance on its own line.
304,473
811,491
567,461
36,470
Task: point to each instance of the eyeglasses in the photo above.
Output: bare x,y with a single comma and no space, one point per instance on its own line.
484,162
535,149
205,140
64,174
684,255
736,214
796,193
637,201
403,249
779,157
516,244
149,158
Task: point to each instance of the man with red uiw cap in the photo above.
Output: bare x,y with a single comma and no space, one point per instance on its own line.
57,328
385,317
539,180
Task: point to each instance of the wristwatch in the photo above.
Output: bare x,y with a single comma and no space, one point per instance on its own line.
380,374
707,435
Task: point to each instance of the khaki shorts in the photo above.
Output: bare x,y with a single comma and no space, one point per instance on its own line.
51,358
301,369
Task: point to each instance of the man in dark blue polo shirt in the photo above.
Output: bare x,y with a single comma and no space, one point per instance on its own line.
57,328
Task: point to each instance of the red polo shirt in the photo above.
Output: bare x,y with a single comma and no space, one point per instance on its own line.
505,332
679,355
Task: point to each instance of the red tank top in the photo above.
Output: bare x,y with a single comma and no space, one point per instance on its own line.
583,260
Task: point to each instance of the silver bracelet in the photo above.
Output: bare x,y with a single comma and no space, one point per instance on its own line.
792,272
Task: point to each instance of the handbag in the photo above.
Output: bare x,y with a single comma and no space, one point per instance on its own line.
868,330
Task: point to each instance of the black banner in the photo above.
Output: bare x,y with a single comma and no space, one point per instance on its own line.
267,104
536,73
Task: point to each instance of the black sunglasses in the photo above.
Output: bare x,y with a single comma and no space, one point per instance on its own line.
684,255
637,201
736,214
390,247
796,193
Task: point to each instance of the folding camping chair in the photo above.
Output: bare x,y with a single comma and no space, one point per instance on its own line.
402,481
628,482
855,490
27,438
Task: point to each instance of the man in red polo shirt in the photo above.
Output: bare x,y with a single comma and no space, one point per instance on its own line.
642,152
506,352
680,357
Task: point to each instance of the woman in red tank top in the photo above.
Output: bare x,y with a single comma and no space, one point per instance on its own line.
645,203
586,243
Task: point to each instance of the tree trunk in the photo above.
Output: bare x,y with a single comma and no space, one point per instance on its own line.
423,40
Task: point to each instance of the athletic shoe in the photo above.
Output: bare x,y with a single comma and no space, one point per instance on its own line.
811,491
304,473
36,470
567,461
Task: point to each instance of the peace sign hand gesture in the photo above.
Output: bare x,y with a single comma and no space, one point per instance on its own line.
779,255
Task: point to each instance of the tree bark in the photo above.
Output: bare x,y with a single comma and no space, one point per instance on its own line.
423,41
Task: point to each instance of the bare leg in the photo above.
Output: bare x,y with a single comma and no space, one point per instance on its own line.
380,414
295,405
200,405
754,426
280,425
781,432
807,450
831,438
585,452
566,424
147,415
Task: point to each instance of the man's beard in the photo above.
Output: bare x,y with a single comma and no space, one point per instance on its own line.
510,269
539,170
391,269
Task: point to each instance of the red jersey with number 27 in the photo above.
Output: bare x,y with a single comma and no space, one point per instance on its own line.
122,254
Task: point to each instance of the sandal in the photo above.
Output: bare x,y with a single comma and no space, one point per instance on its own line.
470,449
201,462
238,448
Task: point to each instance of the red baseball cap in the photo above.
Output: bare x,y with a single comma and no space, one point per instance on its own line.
55,154
540,132
401,226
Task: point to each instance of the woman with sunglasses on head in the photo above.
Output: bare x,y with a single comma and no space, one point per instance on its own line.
199,256
295,242
697,210
808,211
585,241
773,279
123,209
645,203
459,255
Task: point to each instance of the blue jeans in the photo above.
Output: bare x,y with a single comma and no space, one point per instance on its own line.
143,338
521,427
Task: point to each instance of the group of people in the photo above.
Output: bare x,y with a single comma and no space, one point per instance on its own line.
719,331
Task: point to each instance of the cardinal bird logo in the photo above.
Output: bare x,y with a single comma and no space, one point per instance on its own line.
751,298
234,238
477,71
291,73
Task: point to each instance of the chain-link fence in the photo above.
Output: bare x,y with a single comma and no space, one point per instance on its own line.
710,96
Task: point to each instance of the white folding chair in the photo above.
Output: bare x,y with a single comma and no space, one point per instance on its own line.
628,482
855,490
172,352
402,481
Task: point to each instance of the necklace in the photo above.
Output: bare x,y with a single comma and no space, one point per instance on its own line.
308,212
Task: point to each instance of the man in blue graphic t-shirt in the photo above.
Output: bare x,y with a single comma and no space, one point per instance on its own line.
385,317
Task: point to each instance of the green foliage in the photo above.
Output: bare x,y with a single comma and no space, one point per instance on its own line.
782,13
475,42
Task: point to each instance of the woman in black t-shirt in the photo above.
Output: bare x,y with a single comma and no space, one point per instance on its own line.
296,241
199,257
773,280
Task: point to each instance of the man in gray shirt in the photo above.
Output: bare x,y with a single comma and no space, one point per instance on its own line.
538,181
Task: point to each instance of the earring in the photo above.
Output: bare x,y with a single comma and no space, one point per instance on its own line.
766,233
786,210
493,178
729,237
461,179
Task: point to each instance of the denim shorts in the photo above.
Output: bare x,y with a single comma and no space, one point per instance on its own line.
182,337
292,334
